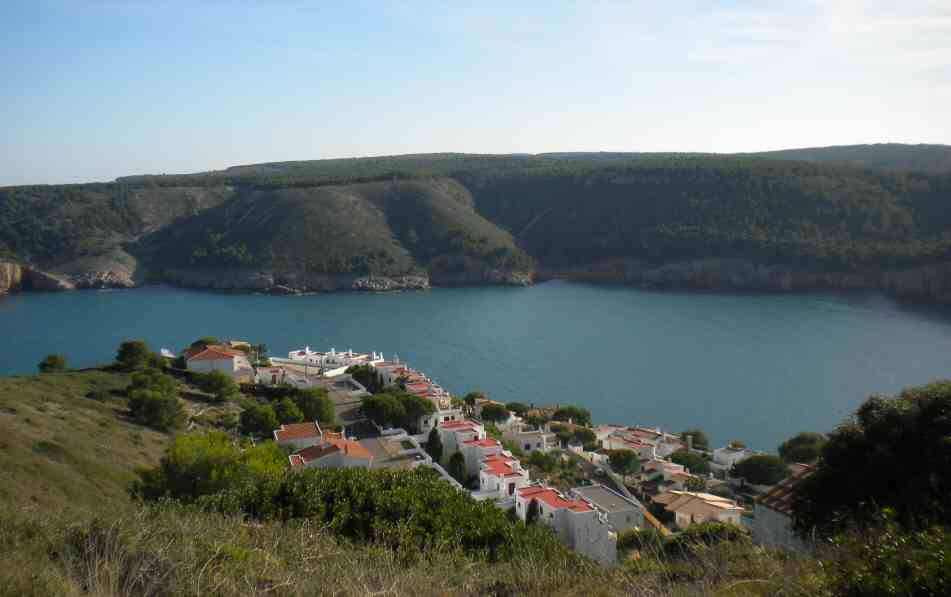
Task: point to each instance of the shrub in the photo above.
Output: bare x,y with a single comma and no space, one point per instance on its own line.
803,447
434,445
457,467
397,409
762,469
518,408
368,377
648,539
218,384
155,409
893,561
287,412
316,405
133,355
577,415
698,438
695,463
705,534
494,413
52,363
259,420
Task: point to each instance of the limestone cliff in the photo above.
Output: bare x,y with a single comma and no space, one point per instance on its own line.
11,277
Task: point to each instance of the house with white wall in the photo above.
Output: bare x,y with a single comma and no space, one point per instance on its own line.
773,514
532,440
576,522
298,435
644,450
332,452
454,434
500,476
448,415
622,513
729,455
474,451
229,361
692,508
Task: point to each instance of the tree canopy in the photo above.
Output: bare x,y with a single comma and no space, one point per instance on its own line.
695,463
576,414
494,413
699,438
894,453
803,447
368,377
133,355
624,462
219,384
761,469
395,408
52,363
259,420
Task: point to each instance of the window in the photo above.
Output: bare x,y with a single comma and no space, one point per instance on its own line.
528,447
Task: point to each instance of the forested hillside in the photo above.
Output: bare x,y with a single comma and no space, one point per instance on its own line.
459,218
884,156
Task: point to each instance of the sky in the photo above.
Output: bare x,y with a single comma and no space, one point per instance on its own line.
96,90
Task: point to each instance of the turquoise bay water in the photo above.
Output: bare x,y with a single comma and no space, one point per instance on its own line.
741,366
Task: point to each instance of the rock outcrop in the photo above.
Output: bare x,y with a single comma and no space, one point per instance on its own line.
11,277
492,277
293,282
41,281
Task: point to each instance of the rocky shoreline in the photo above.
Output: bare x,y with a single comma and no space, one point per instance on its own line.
929,283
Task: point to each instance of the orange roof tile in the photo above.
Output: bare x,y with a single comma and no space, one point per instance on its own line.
297,431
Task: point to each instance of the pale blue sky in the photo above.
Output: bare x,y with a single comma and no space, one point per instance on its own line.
95,90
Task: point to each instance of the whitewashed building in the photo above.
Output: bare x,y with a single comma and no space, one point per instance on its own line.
233,363
576,522
728,456
534,440
454,434
500,476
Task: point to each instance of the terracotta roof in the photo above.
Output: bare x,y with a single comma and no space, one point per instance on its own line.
501,466
457,425
554,499
297,431
484,443
329,446
780,497
216,353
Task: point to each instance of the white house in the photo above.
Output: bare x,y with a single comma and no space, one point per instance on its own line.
730,455
453,434
221,358
332,452
664,443
576,522
426,423
772,511
333,363
299,435
691,508
500,476
644,450
622,513
534,440
474,451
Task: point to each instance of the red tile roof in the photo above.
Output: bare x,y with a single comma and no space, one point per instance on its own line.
216,353
554,499
484,443
297,431
329,446
501,466
780,497
457,425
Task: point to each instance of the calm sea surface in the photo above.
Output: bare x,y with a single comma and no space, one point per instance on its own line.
741,366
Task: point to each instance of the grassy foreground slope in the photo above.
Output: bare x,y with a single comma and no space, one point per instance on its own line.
63,449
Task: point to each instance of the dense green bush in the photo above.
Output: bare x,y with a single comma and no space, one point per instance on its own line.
693,462
761,469
405,509
647,539
52,363
287,411
368,377
219,384
259,420
892,561
803,447
705,534
155,409
397,409
576,414
894,453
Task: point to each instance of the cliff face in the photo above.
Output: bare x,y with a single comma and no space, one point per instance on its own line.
11,277
15,277
927,283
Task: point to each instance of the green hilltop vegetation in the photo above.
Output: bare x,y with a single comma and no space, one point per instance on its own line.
445,214
93,503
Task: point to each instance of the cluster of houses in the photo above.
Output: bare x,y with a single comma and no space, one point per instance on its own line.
587,519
